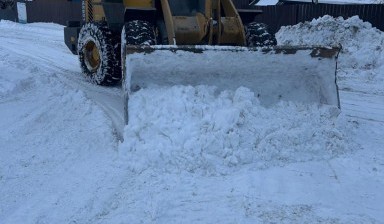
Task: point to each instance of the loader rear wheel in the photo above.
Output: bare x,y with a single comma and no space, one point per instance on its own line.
97,55
257,35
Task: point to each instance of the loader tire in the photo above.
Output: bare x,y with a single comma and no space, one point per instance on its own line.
136,32
99,59
139,32
257,35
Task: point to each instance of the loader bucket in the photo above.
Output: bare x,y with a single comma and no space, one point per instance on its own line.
300,74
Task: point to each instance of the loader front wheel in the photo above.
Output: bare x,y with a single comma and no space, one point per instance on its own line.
97,54
139,32
257,35
136,32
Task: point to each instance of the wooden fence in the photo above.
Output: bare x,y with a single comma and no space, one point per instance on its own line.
60,11
8,14
54,11
8,10
283,15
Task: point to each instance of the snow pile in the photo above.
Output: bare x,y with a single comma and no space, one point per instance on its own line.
362,42
189,128
362,48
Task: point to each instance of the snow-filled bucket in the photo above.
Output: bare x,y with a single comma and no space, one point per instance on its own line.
299,74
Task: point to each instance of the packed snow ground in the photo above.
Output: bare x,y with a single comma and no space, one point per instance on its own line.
203,159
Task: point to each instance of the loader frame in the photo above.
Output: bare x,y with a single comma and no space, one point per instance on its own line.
114,13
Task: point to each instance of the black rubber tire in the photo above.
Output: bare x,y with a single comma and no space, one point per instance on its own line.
108,71
136,32
257,35
139,32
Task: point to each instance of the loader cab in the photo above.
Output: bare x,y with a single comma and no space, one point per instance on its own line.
187,7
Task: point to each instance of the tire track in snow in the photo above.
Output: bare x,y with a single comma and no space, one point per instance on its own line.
66,68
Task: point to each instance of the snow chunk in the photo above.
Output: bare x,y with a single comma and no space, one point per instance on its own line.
190,128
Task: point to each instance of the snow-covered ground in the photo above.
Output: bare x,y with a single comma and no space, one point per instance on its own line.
206,159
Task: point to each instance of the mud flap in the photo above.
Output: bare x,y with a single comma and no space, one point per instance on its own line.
300,74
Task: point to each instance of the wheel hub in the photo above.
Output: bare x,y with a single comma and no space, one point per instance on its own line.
92,56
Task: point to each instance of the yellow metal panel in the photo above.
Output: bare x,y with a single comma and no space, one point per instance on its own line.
188,30
94,11
168,22
138,3
98,12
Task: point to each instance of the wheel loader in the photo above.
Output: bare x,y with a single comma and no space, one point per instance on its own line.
144,43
